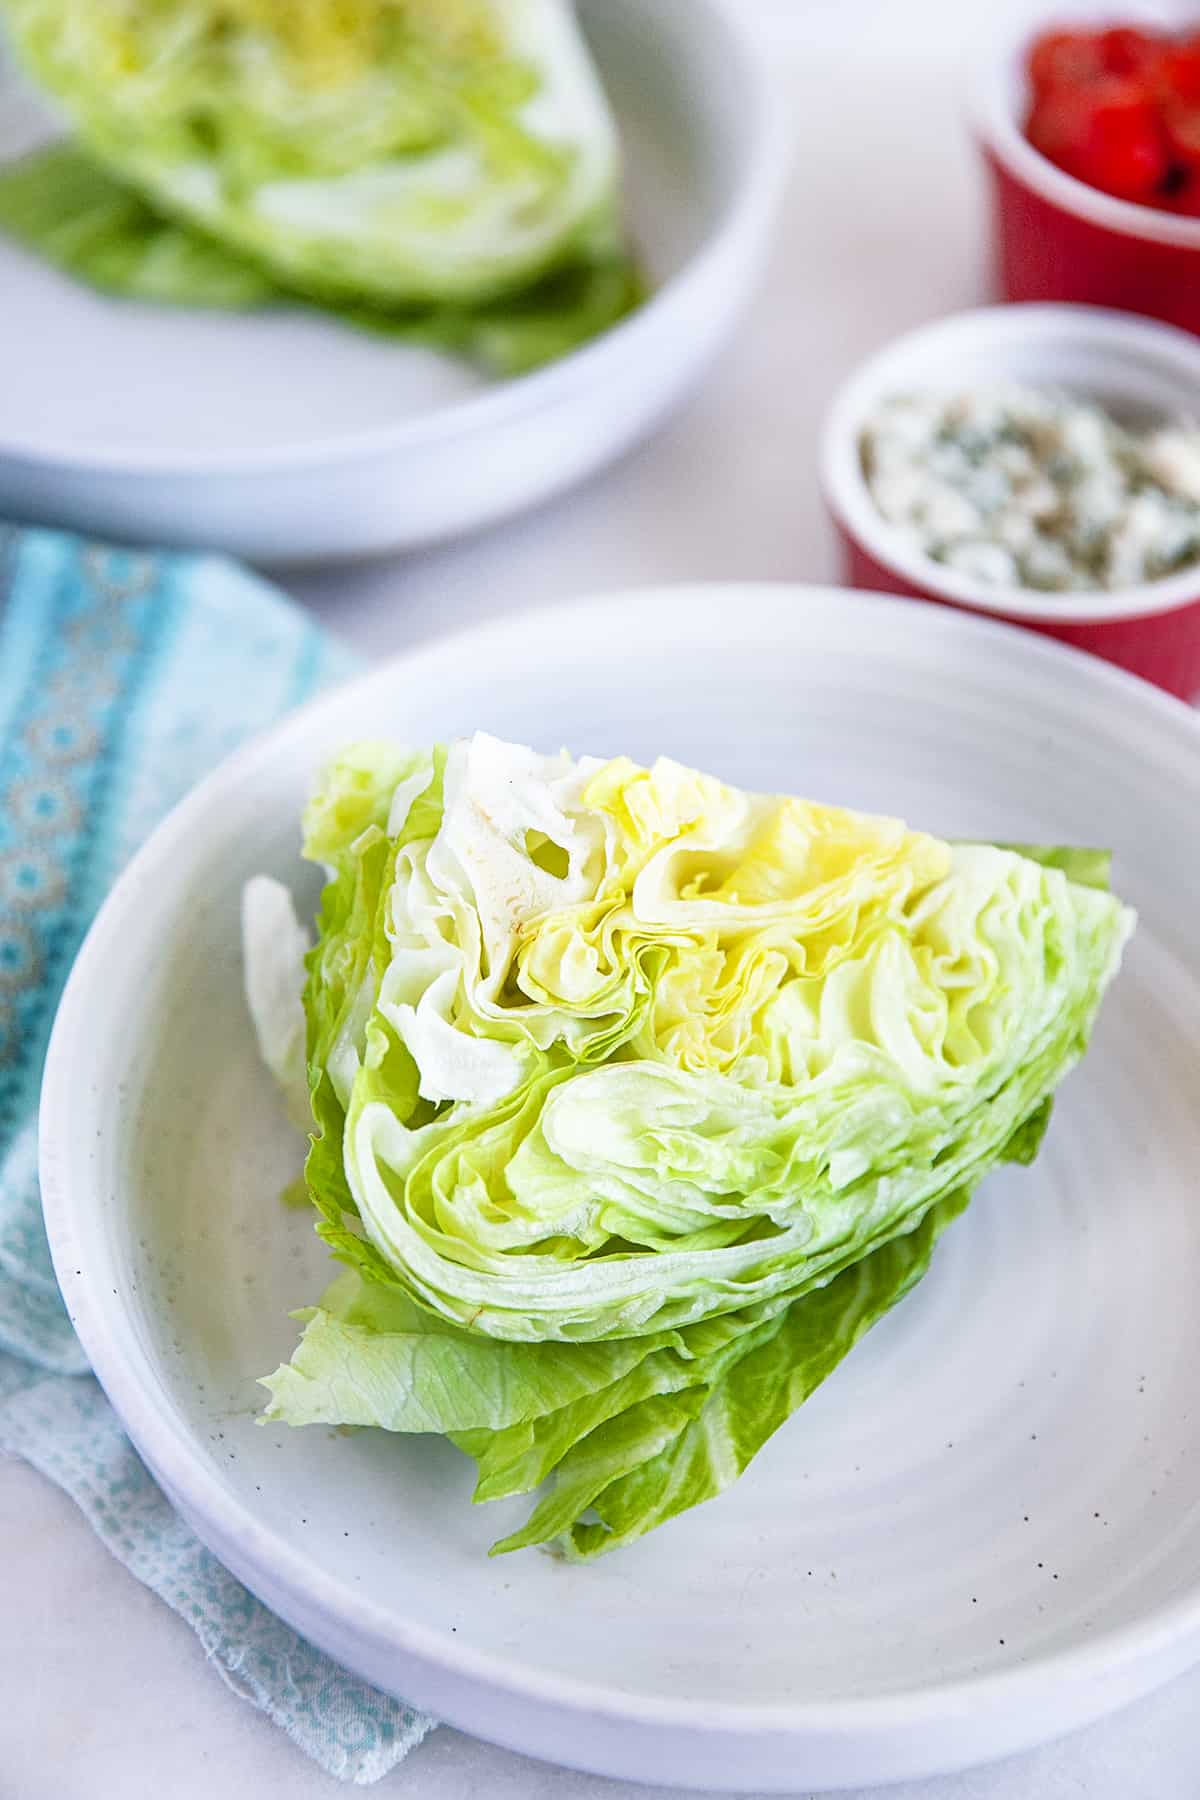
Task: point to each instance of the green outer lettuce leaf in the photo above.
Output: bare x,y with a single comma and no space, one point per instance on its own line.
662,1458
632,1431
370,1356
516,1459
525,331
61,206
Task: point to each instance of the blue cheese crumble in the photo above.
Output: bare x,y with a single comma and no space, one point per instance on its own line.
1020,488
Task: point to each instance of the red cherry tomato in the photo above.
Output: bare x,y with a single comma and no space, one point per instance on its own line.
1062,58
1060,125
1127,152
1124,50
1182,126
1178,72
1107,134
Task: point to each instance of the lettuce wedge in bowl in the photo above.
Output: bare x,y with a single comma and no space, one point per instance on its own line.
395,152
637,1098
448,173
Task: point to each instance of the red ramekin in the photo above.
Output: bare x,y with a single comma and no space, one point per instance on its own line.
1139,369
1053,237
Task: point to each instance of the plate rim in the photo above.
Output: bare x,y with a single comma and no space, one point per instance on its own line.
217,1515
744,215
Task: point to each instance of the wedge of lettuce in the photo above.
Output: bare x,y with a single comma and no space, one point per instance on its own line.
638,1098
386,153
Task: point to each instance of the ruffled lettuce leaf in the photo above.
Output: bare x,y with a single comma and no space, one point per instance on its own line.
1086,868
61,206
638,1048
606,1057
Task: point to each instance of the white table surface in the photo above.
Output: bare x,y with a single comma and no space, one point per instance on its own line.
105,1692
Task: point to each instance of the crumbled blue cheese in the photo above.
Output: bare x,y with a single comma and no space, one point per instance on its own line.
1015,487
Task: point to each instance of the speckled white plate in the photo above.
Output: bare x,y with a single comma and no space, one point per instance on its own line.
984,1529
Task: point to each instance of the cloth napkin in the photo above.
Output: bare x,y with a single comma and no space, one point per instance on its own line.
124,676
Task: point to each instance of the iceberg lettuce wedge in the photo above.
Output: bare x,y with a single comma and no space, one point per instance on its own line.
638,1098
380,152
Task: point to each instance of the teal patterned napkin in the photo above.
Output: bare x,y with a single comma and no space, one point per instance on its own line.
124,676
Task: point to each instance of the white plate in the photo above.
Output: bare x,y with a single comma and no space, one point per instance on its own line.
286,437
983,1529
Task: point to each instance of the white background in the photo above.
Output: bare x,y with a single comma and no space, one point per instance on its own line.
104,1692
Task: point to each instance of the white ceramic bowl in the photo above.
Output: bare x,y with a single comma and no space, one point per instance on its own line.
286,438
1137,367
983,1529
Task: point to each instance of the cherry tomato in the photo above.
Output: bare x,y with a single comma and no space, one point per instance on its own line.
1124,50
1182,126
1061,58
1107,134
1060,125
1179,72
1127,152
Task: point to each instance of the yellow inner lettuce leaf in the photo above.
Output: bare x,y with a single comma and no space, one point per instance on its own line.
332,40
